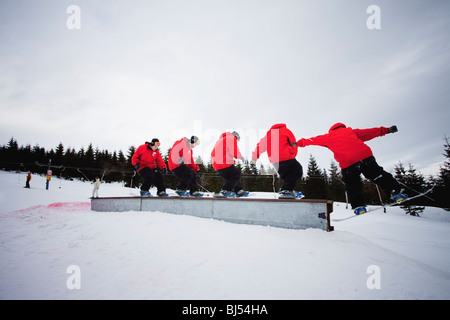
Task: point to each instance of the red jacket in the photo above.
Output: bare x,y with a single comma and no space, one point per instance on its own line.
280,144
181,152
347,144
225,151
146,157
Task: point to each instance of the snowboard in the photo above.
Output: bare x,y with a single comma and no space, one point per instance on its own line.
298,195
186,195
232,195
149,195
388,205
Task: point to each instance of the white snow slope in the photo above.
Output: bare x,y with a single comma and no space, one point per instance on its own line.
157,255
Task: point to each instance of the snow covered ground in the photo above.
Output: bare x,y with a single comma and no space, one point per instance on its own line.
52,246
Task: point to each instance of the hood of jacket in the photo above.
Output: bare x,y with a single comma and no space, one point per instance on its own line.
336,126
278,126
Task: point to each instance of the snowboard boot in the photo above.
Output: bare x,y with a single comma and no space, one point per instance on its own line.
145,193
181,192
287,194
196,194
360,210
227,193
162,194
299,195
398,196
241,193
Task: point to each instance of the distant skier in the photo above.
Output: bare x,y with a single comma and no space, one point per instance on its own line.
181,163
147,159
27,183
355,157
222,156
96,187
281,147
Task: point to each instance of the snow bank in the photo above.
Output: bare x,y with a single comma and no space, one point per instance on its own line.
47,234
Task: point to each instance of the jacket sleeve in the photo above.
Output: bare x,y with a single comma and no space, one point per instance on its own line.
177,153
136,156
368,134
160,162
292,142
186,154
237,154
260,148
321,140
192,164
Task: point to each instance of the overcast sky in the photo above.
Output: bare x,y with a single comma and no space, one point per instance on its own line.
136,70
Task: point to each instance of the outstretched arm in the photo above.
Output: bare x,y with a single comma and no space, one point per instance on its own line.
368,134
260,148
321,140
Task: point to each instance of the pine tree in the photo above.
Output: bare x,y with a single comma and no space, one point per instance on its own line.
38,154
13,145
315,186
413,182
131,151
121,160
89,157
443,181
444,172
409,177
59,152
12,151
336,187
400,172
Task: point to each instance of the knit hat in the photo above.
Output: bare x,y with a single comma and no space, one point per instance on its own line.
195,140
238,137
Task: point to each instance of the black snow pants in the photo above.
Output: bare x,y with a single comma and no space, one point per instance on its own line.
290,172
187,178
232,176
372,171
152,177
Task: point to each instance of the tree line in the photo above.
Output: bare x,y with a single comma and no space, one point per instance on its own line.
317,183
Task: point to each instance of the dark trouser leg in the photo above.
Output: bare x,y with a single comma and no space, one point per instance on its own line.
352,179
290,172
149,176
193,186
232,177
186,178
158,181
372,171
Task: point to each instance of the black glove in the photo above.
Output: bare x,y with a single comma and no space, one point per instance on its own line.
136,166
393,129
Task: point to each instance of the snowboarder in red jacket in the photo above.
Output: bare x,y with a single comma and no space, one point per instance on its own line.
222,156
281,147
147,159
355,157
181,163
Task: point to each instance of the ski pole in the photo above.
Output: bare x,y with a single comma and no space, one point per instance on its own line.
203,188
381,200
415,190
